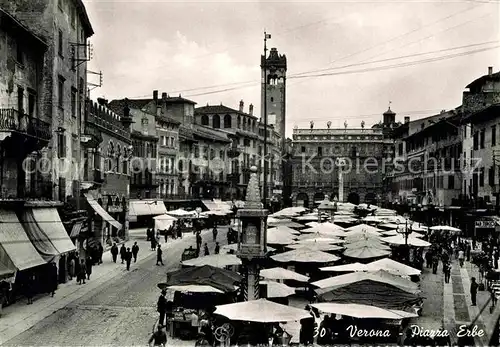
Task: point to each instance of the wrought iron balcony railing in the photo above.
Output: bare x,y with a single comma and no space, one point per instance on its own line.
12,120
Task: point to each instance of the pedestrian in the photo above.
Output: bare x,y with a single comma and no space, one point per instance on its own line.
29,289
153,243
493,298
114,252
135,251
461,258
161,307
100,252
214,233
54,279
159,338
157,238
72,267
447,272
217,248
435,263
88,267
473,243
81,273
473,290
428,259
148,235
123,252
198,243
467,251
128,258
158,256
206,251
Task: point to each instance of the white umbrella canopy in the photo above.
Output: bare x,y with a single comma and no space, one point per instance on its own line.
181,213
390,233
261,311
364,227
309,217
352,267
353,236
332,226
234,247
319,229
305,255
165,217
289,212
278,290
282,230
279,273
380,276
367,207
316,246
400,240
362,311
393,267
445,228
365,252
321,237
390,226
373,219
215,260
195,288
312,224
367,243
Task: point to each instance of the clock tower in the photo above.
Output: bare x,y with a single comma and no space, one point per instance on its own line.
273,69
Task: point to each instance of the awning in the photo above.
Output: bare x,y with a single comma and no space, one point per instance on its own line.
15,244
37,236
50,223
75,231
146,208
102,212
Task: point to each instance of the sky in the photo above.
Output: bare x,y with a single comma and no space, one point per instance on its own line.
416,55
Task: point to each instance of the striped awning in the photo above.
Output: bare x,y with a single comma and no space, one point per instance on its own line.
146,208
102,212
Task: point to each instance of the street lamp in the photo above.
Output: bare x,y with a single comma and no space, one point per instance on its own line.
406,231
327,207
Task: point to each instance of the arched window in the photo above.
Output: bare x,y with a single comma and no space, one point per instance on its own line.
204,120
216,121
227,121
117,201
244,124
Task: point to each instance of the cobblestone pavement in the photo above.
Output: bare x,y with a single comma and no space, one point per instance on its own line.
120,312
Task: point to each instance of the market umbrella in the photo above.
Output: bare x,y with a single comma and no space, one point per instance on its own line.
366,252
316,246
367,243
194,288
354,236
389,226
234,247
278,290
216,260
312,224
274,222
261,311
277,238
373,219
393,267
390,233
330,225
289,212
400,240
283,229
320,229
305,255
352,267
309,217
362,311
279,273
308,238
445,228
181,213
221,279
363,227
378,276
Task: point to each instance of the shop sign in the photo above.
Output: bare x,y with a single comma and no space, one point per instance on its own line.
485,224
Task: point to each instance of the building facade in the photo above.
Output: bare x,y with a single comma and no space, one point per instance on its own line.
167,130
346,164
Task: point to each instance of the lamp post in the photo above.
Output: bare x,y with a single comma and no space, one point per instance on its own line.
406,231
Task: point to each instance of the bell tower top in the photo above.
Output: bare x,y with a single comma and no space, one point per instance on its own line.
274,60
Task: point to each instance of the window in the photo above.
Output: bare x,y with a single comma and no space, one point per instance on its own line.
196,152
73,102
491,176
303,149
60,92
19,53
451,182
74,146
73,16
320,151
481,177
400,149
481,138
216,121
272,99
20,100
61,145
212,154
125,167
221,155
465,131
31,104
227,121
476,141
60,46
204,120
493,135
172,142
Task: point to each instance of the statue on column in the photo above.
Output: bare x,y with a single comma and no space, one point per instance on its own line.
345,125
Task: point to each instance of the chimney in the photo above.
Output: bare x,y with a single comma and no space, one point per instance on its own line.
155,95
250,110
241,105
102,101
407,119
164,95
490,71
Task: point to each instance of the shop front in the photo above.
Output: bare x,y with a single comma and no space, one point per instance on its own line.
485,228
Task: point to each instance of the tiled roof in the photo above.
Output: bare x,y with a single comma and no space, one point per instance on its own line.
179,100
215,109
481,80
166,119
118,105
210,134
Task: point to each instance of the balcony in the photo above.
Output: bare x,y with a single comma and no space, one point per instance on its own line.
16,122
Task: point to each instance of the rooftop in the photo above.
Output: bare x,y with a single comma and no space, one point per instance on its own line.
483,79
117,106
219,109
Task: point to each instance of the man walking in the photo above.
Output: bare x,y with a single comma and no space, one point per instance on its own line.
128,258
461,257
214,233
473,290
159,253
447,272
135,251
217,248
114,252
161,307
123,252
198,243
